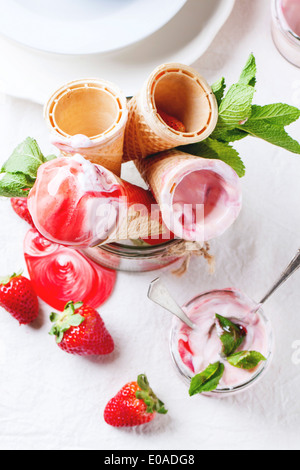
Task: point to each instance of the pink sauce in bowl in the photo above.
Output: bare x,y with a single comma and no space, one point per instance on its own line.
291,13
286,29
193,350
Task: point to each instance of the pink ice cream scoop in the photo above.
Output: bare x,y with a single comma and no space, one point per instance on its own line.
77,203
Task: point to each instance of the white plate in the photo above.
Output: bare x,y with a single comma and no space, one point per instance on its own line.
34,75
83,26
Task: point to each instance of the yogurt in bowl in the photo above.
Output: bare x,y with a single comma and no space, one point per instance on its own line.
193,350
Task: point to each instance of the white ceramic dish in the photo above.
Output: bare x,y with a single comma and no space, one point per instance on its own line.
83,26
34,75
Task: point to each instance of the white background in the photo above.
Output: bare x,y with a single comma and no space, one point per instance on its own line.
51,400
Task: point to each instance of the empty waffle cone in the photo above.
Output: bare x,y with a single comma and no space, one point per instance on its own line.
199,198
180,92
140,215
89,117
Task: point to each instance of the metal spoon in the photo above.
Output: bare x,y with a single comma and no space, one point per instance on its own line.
293,266
159,294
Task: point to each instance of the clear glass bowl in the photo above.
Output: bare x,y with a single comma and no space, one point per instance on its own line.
186,374
132,257
286,40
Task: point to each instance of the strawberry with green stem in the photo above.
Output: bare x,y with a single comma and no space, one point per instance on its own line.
134,404
18,297
80,330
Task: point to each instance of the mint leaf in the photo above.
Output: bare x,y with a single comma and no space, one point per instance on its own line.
228,135
246,359
14,185
208,380
50,157
279,114
231,335
236,107
248,75
26,159
218,89
215,149
274,134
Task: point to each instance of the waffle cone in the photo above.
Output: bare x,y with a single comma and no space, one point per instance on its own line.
96,112
140,216
157,170
179,91
163,172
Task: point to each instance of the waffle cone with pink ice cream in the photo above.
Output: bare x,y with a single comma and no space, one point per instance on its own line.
199,198
76,203
89,116
174,90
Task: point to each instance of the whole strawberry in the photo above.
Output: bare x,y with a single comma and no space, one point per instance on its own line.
19,205
133,405
80,330
18,297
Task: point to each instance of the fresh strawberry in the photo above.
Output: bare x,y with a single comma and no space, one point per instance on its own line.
19,205
80,330
133,405
172,121
18,297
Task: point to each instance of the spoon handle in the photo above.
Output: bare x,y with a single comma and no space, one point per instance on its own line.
290,269
159,294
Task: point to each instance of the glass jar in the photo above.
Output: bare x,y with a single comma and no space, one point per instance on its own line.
186,374
285,15
135,257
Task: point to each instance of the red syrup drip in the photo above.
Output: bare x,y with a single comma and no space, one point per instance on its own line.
60,274
186,354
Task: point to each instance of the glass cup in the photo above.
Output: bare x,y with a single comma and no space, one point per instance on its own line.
135,257
286,40
186,374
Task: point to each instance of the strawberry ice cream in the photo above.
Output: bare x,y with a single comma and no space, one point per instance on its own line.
77,203
202,346
65,200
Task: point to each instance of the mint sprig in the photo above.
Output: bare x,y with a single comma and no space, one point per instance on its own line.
208,380
246,359
239,118
19,172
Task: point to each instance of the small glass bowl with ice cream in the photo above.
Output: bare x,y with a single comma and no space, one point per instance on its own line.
286,29
193,350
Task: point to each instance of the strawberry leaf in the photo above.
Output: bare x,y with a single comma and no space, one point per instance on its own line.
148,396
65,320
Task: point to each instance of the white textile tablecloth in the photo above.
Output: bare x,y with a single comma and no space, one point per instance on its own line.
52,400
